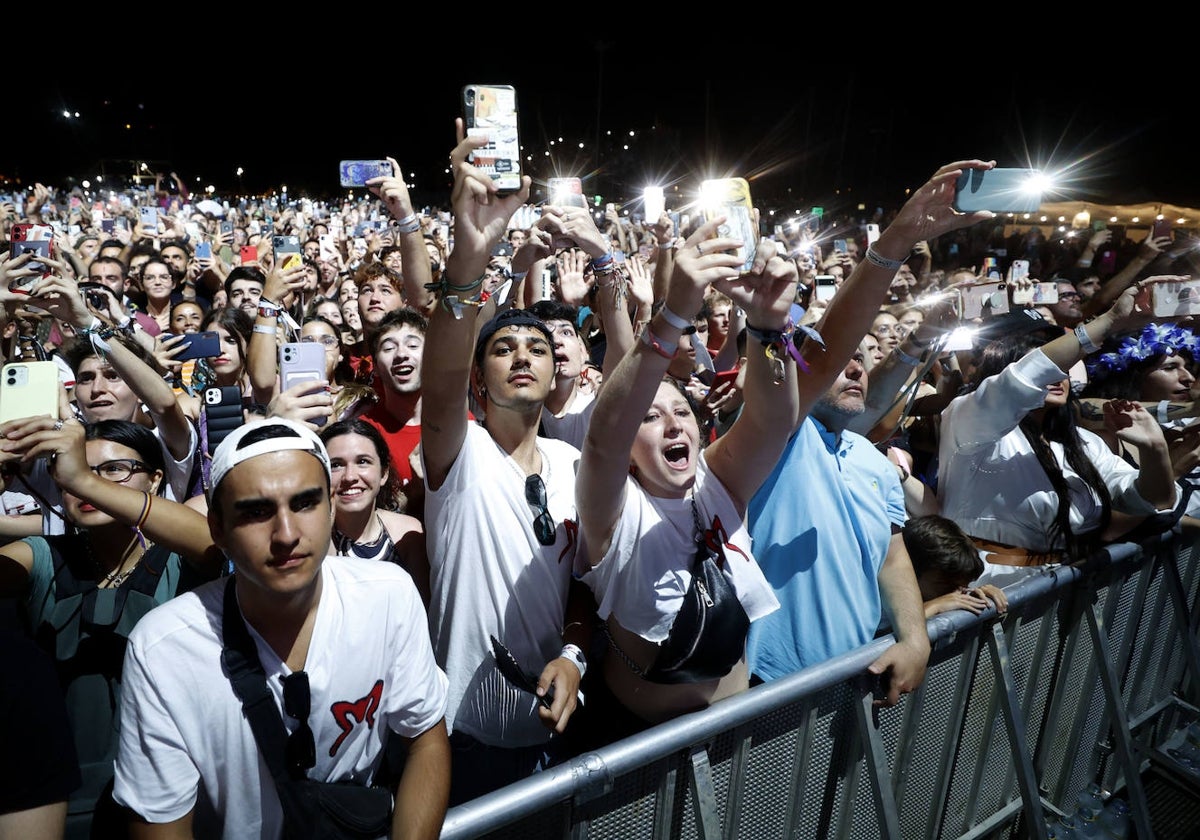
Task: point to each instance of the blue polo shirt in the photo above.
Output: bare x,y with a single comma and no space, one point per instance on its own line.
821,526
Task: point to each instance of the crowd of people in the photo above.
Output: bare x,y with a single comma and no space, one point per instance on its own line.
548,478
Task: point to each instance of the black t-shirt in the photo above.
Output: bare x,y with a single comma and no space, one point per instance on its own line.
38,765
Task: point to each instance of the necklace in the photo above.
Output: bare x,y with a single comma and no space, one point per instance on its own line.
120,574
345,546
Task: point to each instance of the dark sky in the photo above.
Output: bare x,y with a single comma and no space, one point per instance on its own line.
802,136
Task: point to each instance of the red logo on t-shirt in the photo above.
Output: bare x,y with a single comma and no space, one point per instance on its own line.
346,714
717,541
572,529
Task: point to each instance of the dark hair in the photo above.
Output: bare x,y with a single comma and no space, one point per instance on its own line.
553,310
132,436
176,243
388,498
1126,384
236,321
244,272
109,261
937,544
80,350
1057,426
404,316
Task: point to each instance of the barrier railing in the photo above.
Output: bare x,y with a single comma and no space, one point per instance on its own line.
1088,678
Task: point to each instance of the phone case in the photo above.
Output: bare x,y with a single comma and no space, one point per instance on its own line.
491,111
222,413
42,248
149,217
567,192
998,190
204,251
249,255
872,234
301,361
1162,227
28,389
984,300
824,286
731,199
356,173
202,345
1176,298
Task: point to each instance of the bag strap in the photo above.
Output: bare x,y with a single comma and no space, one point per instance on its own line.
250,684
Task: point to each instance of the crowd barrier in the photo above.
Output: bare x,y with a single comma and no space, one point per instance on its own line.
1090,677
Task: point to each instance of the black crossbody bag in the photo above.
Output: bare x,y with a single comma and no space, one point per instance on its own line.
311,810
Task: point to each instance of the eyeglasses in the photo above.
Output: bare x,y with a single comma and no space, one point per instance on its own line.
329,341
301,750
1070,296
543,524
121,470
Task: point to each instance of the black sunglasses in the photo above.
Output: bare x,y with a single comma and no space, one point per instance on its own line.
535,495
301,747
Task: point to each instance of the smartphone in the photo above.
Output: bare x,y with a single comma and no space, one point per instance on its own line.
730,197
249,255
40,247
824,286
302,361
149,217
1107,263
328,246
204,250
1018,270
1176,298
872,234
227,227
983,300
998,190
491,111
201,345
723,376
1162,227
222,413
356,173
839,245
106,225
653,204
28,389
1099,224
287,251
567,192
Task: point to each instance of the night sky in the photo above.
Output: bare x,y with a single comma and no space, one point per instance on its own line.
838,138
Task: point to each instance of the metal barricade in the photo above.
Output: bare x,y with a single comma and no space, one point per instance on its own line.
1089,674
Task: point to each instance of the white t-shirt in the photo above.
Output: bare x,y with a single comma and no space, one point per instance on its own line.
647,570
490,576
572,425
185,742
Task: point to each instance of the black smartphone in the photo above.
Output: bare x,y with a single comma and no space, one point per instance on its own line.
222,413
201,345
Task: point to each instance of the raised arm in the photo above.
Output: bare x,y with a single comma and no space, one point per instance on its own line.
480,218
927,214
629,392
168,523
743,457
413,257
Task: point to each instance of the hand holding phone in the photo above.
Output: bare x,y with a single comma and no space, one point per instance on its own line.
491,111
998,190
356,173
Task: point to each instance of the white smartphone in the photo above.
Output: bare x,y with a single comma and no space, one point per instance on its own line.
872,234
824,286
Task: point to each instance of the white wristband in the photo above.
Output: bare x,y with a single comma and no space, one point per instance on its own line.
1085,340
676,321
573,653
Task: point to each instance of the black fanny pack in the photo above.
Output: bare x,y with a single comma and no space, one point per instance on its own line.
312,810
